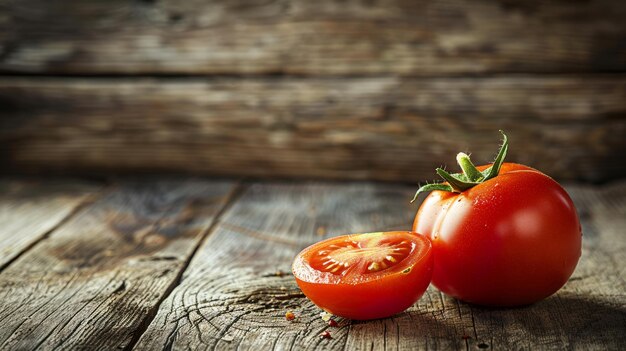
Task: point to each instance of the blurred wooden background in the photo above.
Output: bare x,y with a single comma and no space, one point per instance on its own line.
382,90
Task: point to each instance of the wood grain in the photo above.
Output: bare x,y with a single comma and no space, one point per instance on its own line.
394,129
322,38
97,280
236,290
239,286
31,209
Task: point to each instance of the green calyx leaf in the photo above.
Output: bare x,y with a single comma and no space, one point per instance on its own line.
471,176
431,187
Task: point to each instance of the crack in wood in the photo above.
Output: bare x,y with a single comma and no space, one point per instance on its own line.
151,314
119,288
85,202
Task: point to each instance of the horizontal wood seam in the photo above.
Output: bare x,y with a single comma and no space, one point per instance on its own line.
270,75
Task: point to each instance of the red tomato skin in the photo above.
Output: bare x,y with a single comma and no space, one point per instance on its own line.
375,299
512,240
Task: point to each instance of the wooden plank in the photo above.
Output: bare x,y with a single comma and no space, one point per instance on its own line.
394,129
300,37
232,298
31,209
97,280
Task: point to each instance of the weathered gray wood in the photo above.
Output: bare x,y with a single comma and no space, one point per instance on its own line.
31,209
571,127
230,296
303,37
97,280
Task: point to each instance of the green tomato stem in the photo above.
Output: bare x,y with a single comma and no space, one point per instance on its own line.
471,176
470,171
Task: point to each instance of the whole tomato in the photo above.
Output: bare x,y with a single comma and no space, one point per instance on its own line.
502,235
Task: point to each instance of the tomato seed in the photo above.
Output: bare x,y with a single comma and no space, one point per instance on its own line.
290,316
390,258
373,267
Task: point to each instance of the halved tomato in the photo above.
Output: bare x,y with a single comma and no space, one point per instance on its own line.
365,276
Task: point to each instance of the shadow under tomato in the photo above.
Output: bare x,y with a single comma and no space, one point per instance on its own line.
566,319
420,329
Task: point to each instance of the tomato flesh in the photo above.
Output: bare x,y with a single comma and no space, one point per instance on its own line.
512,240
365,276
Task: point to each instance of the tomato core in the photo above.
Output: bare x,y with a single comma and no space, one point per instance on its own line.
370,255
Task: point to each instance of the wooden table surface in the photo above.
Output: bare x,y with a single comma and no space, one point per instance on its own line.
153,264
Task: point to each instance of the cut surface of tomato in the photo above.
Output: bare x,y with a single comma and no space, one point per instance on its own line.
365,276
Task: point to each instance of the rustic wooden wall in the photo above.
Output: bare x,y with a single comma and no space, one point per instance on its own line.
384,90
